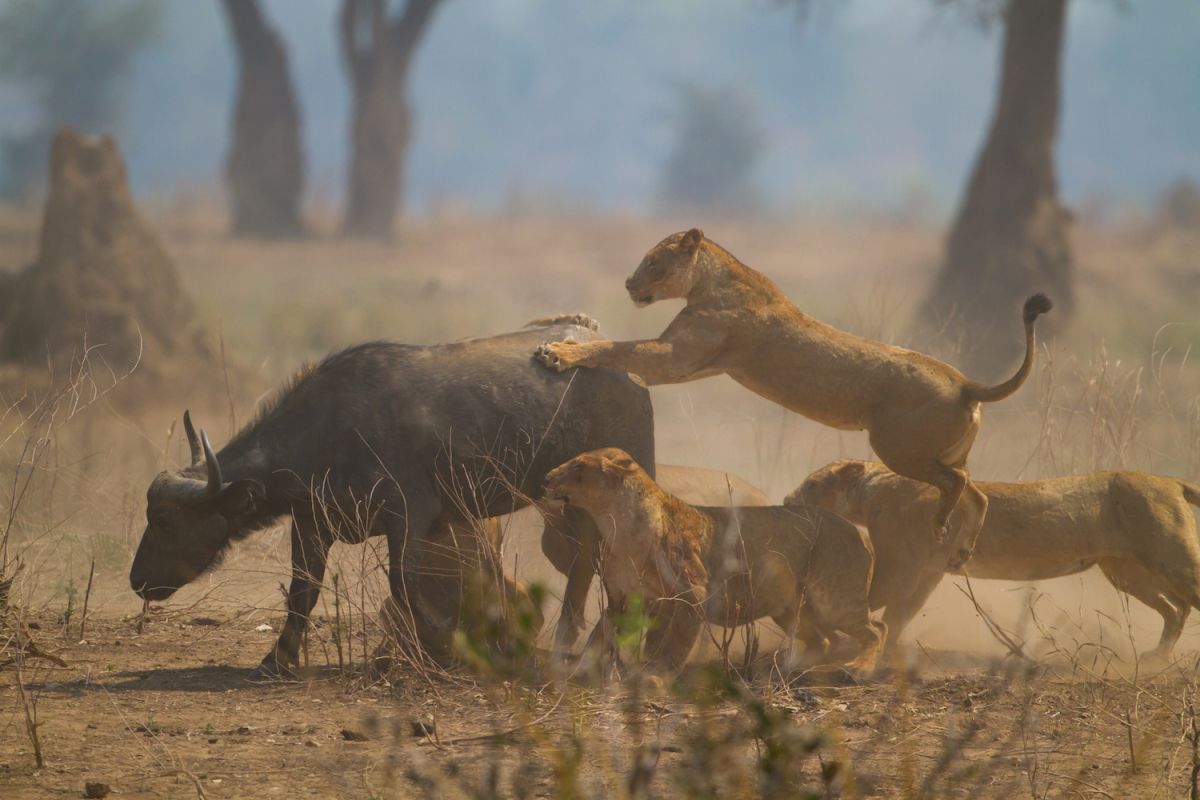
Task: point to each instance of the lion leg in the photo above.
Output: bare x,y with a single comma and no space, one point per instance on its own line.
669,642
806,629
897,615
1136,581
871,636
973,505
951,483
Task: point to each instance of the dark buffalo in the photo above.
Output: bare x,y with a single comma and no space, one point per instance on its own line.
402,441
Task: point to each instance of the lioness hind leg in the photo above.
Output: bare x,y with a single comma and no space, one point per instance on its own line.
1136,581
973,506
893,441
949,481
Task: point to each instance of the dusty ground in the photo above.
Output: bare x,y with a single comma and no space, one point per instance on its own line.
171,712
1119,389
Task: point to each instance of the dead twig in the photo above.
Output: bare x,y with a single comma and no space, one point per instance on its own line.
1014,647
86,595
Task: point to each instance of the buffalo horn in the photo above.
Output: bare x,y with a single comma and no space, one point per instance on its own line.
193,440
214,469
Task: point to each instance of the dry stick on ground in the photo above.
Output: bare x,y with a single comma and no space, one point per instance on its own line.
31,723
27,648
1004,637
172,773
86,595
1133,767
228,391
1194,783
337,624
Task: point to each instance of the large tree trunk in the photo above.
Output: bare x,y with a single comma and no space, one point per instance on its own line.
265,170
1010,237
378,52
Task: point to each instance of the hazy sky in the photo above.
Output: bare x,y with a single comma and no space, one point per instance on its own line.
866,102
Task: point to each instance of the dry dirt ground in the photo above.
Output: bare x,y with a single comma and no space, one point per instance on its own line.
168,712
171,712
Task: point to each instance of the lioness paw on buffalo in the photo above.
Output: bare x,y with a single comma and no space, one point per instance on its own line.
558,356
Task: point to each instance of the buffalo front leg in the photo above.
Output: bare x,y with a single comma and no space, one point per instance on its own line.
309,555
571,542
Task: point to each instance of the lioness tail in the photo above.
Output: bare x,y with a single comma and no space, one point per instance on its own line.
1035,306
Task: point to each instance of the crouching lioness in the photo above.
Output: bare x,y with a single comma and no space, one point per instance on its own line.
1136,527
921,415
807,570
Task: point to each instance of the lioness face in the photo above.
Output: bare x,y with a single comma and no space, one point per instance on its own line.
588,480
668,270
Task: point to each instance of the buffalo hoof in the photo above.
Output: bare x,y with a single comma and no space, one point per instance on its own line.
271,671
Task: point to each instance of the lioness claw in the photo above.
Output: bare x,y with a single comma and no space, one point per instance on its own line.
547,355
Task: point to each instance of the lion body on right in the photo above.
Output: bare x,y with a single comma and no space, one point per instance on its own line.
1135,526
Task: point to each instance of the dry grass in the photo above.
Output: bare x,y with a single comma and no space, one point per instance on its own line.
1082,719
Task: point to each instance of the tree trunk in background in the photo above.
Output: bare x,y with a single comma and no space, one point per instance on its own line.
265,170
378,51
1010,238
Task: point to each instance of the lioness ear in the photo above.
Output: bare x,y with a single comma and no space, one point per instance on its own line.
691,240
241,497
624,462
851,471
617,465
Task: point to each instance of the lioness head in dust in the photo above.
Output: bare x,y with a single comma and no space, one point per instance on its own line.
668,270
831,488
590,479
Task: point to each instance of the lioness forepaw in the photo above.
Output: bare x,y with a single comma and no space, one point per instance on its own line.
549,355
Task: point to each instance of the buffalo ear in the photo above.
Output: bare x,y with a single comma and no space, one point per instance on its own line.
691,240
239,498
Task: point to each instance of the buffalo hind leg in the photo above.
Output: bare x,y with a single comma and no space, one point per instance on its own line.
408,541
309,555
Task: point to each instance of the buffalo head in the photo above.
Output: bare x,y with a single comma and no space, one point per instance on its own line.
190,521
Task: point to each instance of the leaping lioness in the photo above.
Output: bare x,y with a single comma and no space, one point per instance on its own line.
921,414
